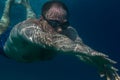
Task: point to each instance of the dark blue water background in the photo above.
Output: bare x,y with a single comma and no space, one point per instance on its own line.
97,22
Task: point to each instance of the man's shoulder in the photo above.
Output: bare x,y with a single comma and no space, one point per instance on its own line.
31,21
27,23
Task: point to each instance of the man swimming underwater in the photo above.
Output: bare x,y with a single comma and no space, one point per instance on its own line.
51,34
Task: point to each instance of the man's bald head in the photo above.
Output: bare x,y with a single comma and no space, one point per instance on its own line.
55,10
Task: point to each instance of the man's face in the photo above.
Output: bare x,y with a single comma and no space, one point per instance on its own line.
56,17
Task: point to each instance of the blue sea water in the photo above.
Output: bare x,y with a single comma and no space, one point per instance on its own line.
98,24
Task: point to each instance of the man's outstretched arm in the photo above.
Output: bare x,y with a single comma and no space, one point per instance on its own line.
98,59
